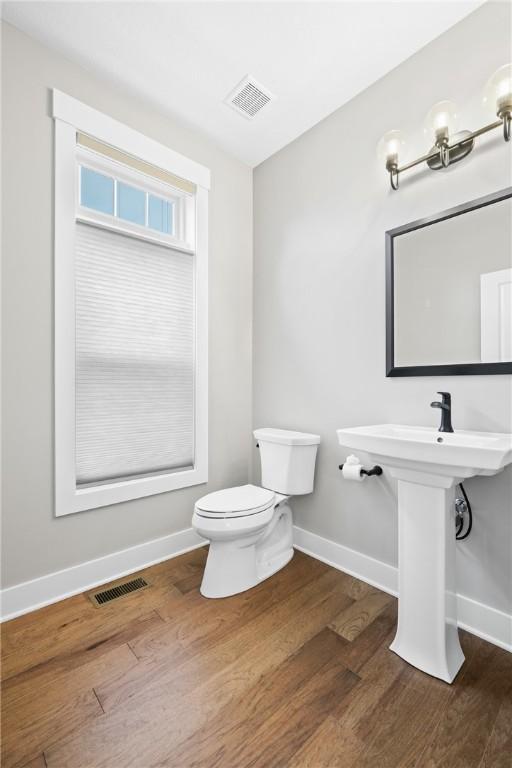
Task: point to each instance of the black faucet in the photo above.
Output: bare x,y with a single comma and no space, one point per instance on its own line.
446,411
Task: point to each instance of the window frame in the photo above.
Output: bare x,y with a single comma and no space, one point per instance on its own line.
183,237
71,117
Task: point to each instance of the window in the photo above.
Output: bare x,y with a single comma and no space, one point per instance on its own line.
130,313
96,191
108,195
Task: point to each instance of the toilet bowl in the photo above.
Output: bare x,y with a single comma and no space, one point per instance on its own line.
249,527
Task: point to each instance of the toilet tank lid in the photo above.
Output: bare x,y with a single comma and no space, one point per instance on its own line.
285,436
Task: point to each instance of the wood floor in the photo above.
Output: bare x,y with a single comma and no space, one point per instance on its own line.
293,673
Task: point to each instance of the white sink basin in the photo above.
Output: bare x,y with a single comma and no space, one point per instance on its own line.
428,465
461,453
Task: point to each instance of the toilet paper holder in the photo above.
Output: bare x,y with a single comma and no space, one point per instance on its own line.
376,470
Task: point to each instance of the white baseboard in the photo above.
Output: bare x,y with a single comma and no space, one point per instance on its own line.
34,594
374,572
485,622
477,618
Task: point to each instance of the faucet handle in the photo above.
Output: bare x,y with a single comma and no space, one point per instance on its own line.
446,396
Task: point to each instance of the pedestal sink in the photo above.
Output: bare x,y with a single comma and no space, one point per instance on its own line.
428,465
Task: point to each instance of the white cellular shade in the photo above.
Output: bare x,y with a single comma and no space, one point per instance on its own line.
134,357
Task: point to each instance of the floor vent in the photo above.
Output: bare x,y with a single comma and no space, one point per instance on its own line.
120,590
248,97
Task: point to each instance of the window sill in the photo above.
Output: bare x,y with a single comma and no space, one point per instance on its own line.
92,497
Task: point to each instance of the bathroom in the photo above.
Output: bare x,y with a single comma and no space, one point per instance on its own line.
292,331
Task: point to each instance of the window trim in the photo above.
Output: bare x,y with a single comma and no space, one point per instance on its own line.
70,117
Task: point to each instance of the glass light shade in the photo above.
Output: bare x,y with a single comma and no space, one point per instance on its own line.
441,121
390,148
498,91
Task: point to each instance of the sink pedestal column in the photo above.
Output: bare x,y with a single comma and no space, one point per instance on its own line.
427,634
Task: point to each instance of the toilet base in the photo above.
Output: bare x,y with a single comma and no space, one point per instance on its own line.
235,566
211,588
275,564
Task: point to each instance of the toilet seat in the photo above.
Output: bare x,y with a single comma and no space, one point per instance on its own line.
241,501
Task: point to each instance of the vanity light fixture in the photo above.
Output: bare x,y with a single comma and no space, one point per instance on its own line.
450,144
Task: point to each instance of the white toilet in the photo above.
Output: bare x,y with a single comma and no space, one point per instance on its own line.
250,527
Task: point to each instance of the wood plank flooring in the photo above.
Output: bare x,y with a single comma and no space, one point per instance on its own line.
295,673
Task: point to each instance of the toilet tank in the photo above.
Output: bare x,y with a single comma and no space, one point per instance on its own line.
287,460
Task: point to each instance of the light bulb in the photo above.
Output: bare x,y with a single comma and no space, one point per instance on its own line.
389,149
498,91
441,122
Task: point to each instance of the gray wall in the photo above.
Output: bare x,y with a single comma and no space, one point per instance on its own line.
34,541
322,205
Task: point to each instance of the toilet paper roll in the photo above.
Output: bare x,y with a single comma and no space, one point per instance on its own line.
352,469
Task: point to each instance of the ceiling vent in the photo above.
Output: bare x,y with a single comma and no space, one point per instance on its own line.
248,97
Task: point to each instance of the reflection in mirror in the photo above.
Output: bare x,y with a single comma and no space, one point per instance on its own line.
453,289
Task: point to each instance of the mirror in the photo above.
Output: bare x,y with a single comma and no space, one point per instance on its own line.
449,291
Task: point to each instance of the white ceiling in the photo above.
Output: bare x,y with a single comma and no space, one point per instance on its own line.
185,57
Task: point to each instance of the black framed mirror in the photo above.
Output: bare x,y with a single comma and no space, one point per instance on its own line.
449,291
